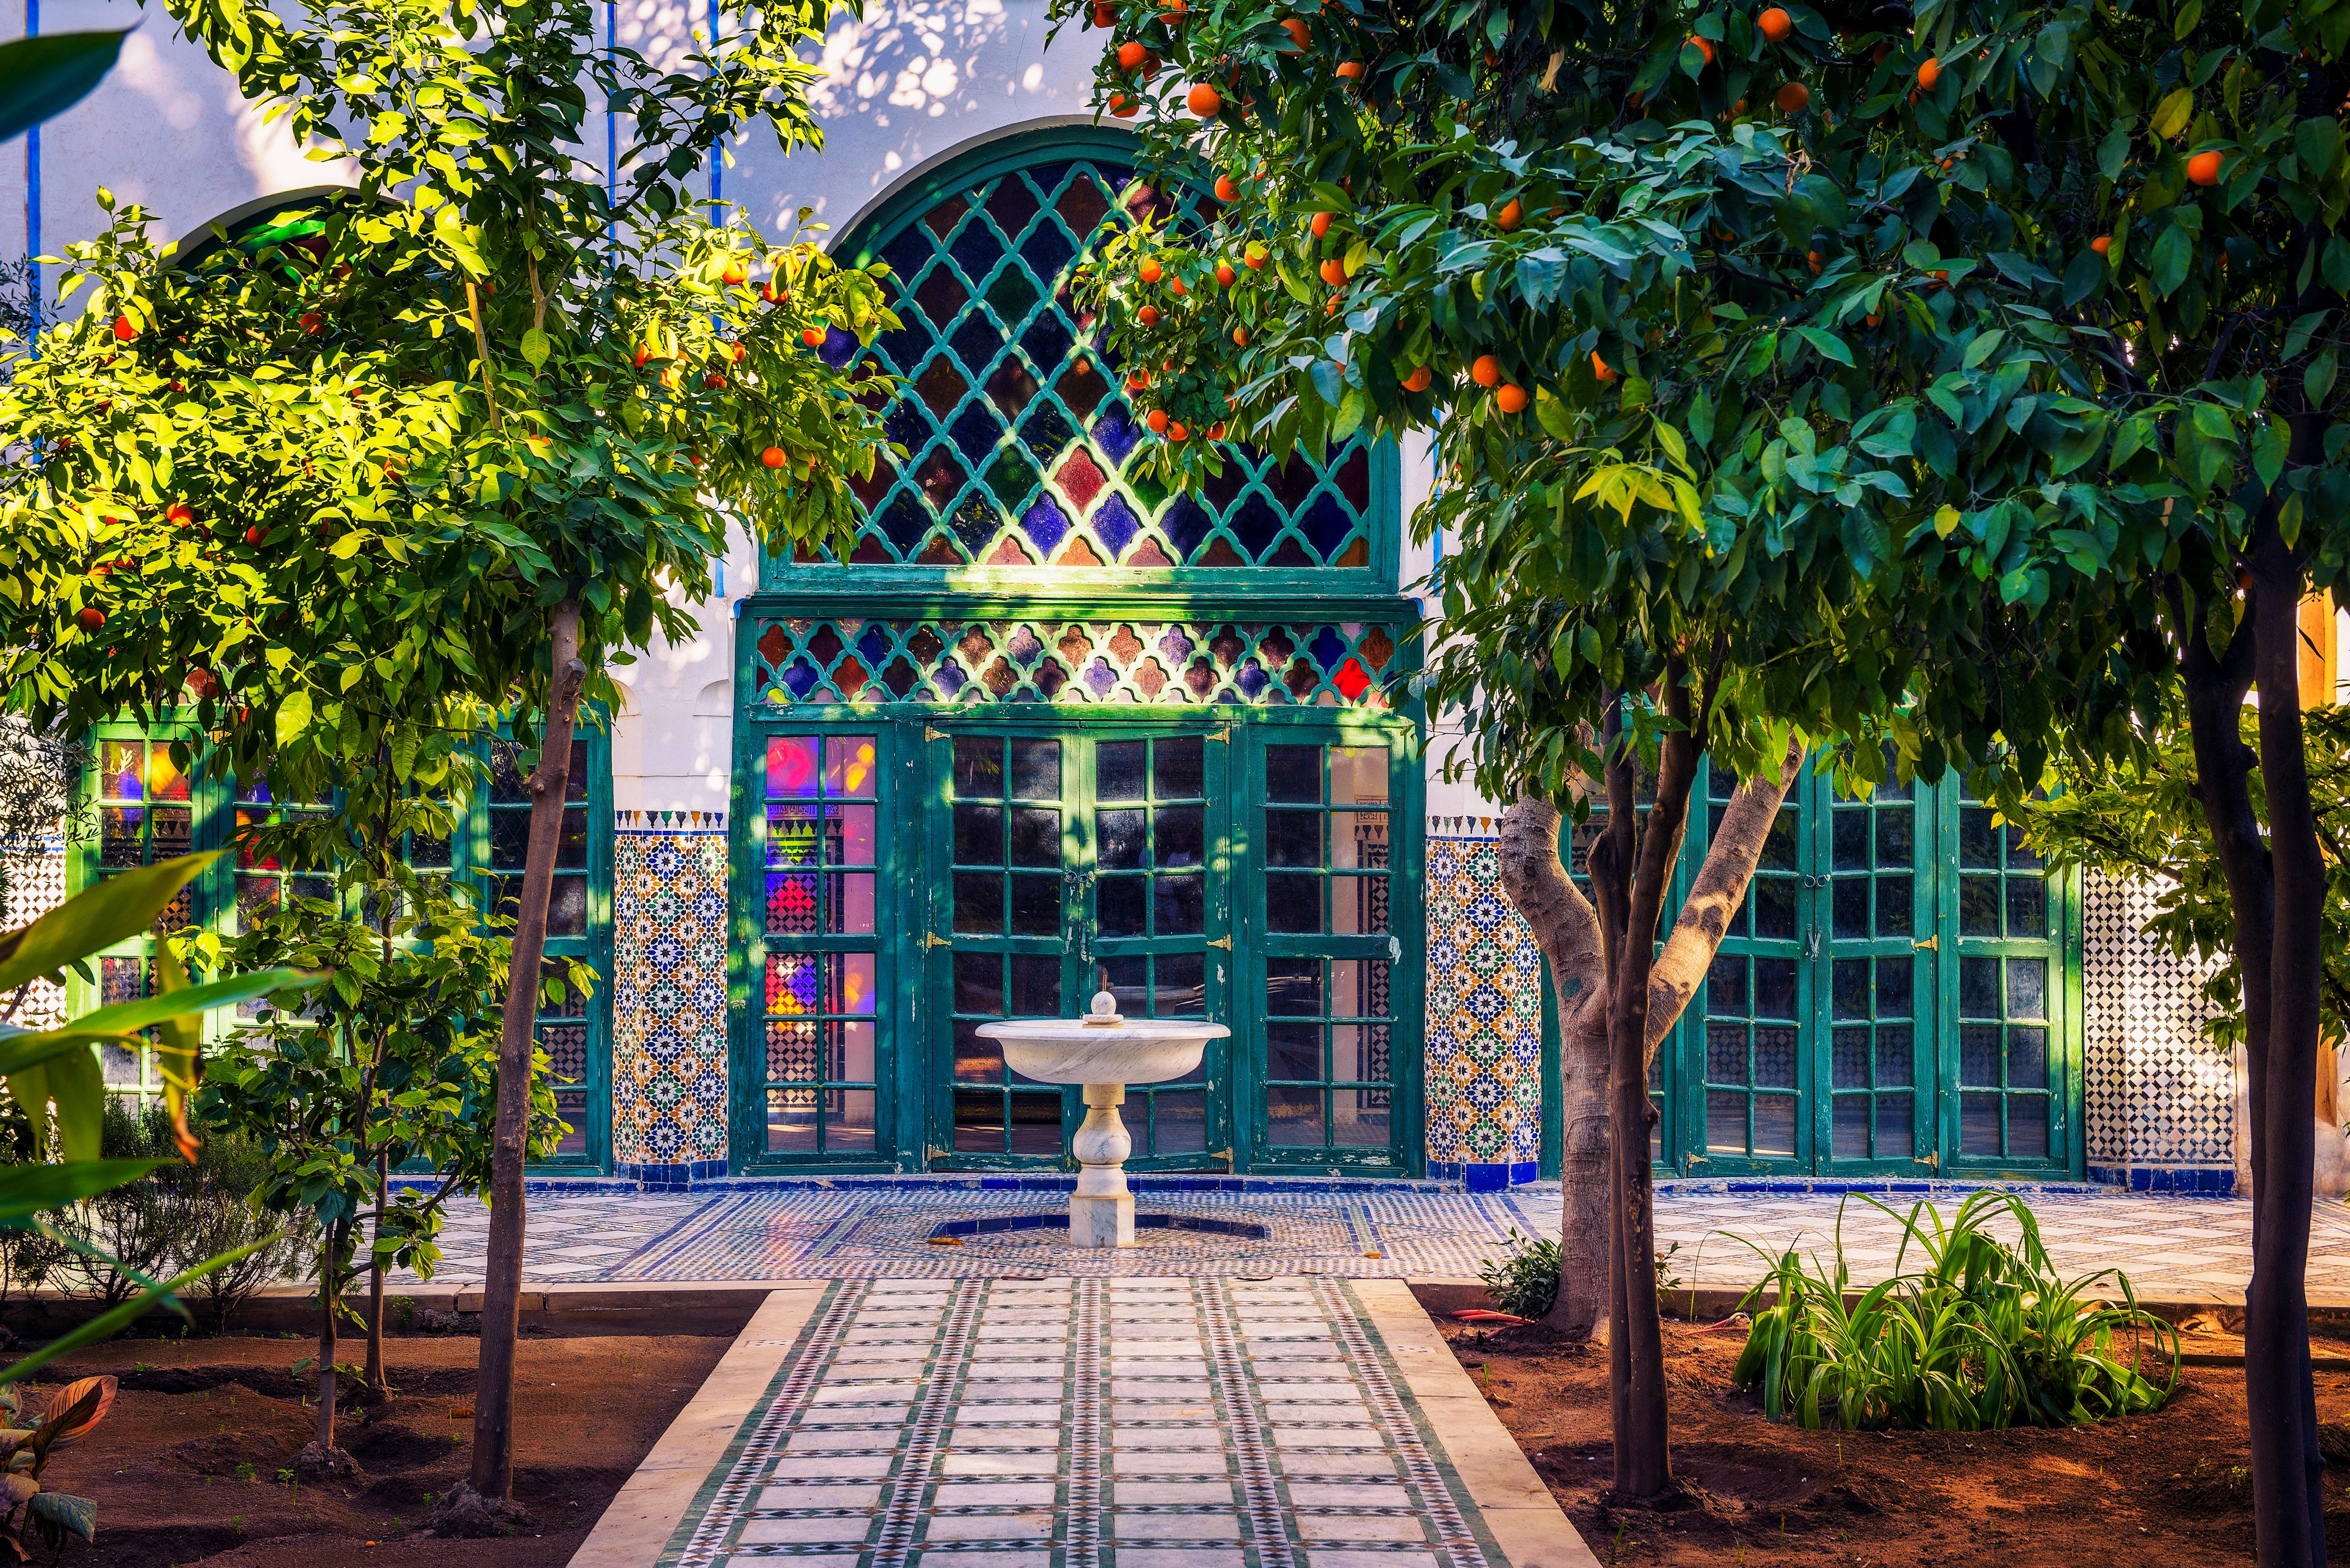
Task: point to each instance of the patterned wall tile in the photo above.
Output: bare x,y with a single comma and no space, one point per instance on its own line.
2157,1093
668,997
1484,1013
34,884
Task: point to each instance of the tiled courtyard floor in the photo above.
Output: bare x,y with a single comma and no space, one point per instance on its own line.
2172,1247
1088,1423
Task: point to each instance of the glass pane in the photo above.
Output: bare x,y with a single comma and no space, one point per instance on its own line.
1358,774
1896,838
978,904
1293,987
2027,906
2027,1126
1292,837
979,983
2027,988
1725,985
1182,985
1178,1122
1123,837
1359,1117
1358,840
1894,976
1896,903
1979,1055
1359,906
1179,768
976,1060
1978,906
1182,834
1851,989
849,1121
1895,1065
1851,901
791,1121
1979,986
1852,1126
1851,1058
1035,1127
164,780
2027,1058
1118,770
849,770
1036,906
1725,1123
1979,1124
1774,1057
571,848
1296,1117
1037,986
1293,904
1358,989
1293,773
122,773
174,827
1977,839
1181,905
979,1122
1774,988
1036,836
509,840
1725,1054
1775,1127
1896,1135
790,767
978,835
1120,906
1851,835
566,908
1774,909
978,767
1036,769
119,836
848,835
791,903
1293,1051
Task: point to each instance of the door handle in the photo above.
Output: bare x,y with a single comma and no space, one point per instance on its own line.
1223,942
932,940
1811,943
1932,944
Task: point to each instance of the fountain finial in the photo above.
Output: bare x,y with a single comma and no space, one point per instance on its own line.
1104,1010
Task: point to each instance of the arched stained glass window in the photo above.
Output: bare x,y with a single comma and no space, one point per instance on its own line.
1020,449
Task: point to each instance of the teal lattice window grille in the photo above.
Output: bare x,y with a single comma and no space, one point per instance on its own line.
1021,448
1332,665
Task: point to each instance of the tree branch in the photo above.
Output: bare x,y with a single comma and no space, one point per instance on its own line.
1716,893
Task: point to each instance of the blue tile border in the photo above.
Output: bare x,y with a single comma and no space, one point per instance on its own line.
690,1176
1485,1176
1791,1186
710,1177
2195,1182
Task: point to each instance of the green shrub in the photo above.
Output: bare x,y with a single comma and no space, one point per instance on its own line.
1985,1336
122,1241
1525,1283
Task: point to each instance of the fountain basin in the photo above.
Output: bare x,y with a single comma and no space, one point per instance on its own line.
1102,1053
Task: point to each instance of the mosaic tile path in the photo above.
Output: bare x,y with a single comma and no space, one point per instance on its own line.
2176,1247
1088,1423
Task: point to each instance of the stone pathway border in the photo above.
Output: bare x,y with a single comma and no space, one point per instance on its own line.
1088,1423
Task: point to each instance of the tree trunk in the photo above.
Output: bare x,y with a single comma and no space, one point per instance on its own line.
375,1378
2288,1473
492,1467
330,1244
1534,877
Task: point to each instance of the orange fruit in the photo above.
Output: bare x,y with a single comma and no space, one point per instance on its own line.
1352,70
1156,419
1418,379
739,352
1775,25
1255,257
1930,73
1175,286
181,514
774,457
1510,399
91,619
1704,46
1510,216
1151,271
1296,27
735,275
1172,11
1124,107
1322,223
1793,97
123,331
1486,371
1138,381
1177,430
1105,15
1203,100
1812,260
313,323
2204,168
1225,190
1600,368
1131,54
2103,245
1240,337
1216,431
1225,274
1147,315
714,381
813,337
1334,272
1873,319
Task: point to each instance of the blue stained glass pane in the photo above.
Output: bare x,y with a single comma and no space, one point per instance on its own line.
906,253
1099,677
976,343
1176,646
1115,432
975,522
1186,525
907,424
1328,647
839,346
1117,524
875,647
1252,679
904,347
1023,646
1046,430
1047,250
1327,524
976,432
1047,342
949,677
1255,524
976,250
801,678
906,522
1044,525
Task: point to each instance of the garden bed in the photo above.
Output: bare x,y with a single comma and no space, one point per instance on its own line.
2162,1490
186,1468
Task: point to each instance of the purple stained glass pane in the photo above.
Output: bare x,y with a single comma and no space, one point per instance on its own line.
1100,679
1355,476
839,346
1328,647
1252,679
1043,523
1115,521
1176,646
1023,646
801,678
905,523
875,646
1186,525
1115,432
949,677
1048,251
975,342
976,250
1047,339
1255,525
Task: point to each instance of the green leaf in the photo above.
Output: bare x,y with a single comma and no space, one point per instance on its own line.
1830,345
2114,150
78,1089
2316,143
2318,380
2172,254
2268,441
293,718
140,1012
2170,115
2085,277
117,908
537,347
42,78
75,1515
1330,380
28,1189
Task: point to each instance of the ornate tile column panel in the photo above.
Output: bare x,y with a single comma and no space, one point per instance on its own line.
1484,1017
669,998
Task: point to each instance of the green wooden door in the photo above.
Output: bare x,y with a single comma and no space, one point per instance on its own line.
1893,999
1073,857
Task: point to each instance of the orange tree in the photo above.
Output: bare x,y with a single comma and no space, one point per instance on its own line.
440,450
1948,380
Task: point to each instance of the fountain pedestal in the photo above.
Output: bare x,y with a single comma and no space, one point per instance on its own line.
1102,1053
